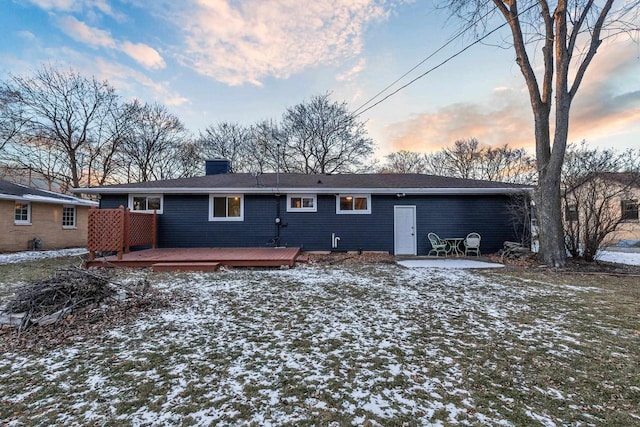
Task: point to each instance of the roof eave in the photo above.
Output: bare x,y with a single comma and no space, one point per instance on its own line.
299,190
52,201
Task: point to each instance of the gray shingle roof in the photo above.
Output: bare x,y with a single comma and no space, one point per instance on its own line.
9,190
319,183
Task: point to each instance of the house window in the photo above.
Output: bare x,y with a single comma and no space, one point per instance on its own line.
226,207
571,213
630,210
353,204
68,217
146,203
302,203
22,213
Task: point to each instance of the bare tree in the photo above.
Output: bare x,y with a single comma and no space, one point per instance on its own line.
185,160
595,185
519,208
229,141
568,34
12,118
436,163
467,158
404,162
64,112
44,159
506,164
320,136
105,162
263,153
152,148
462,158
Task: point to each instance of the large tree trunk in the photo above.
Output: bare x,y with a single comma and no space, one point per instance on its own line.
547,195
549,215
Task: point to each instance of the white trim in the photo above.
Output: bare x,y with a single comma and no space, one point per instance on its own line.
19,221
313,196
226,218
147,195
49,200
414,226
75,218
353,211
303,190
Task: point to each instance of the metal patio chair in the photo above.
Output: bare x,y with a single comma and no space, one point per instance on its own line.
437,244
472,244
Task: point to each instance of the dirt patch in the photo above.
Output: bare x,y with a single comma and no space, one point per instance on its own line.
350,258
572,267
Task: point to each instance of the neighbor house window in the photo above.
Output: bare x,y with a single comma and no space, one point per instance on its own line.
226,207
630,210
571,213
302,203
353,204
68,217
146,203
22,213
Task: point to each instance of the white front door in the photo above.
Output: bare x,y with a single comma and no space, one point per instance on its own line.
404,230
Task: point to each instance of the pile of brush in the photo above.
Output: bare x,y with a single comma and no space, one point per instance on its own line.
67,291
515,250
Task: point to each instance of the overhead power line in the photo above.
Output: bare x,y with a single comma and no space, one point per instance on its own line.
431,55
357,114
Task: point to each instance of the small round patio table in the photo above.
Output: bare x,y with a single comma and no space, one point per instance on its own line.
454,245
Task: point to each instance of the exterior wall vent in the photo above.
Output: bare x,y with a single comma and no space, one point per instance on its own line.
217,166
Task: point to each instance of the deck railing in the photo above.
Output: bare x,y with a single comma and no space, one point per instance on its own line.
116,230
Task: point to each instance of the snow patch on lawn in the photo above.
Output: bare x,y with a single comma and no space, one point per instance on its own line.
377,344
629,258
17,257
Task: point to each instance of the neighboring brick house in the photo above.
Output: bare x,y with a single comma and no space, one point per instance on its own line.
39,219
616,195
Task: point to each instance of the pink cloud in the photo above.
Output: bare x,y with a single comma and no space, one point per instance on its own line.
83,33
607,105
143,54
505,120
239,43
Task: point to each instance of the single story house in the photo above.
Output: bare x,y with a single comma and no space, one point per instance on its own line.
38,219
337,212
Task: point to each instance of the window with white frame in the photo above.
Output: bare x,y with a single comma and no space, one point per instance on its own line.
226,207
146,203
353,204
22,213
302,203
68,217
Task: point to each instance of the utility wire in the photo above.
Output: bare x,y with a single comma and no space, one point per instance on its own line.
438,65
431,55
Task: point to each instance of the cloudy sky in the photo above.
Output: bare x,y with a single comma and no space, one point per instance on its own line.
248,60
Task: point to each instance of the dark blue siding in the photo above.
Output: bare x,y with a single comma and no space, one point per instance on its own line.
113,201
184,222
448,216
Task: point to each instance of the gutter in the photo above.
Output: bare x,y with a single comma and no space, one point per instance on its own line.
298,190
32,198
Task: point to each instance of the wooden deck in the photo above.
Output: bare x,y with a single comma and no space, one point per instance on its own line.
191,257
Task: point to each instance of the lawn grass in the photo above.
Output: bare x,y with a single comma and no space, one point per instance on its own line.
13,275
362,344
